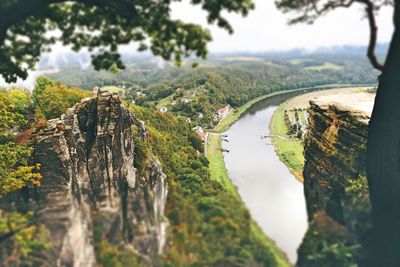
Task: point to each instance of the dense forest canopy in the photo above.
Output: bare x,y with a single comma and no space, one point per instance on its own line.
232,80
200,210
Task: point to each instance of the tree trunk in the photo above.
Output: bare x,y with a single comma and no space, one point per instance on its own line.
383,156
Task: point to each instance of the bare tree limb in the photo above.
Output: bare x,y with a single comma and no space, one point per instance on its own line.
373,35
331,5
310,11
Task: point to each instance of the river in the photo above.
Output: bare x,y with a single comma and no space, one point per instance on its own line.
272,194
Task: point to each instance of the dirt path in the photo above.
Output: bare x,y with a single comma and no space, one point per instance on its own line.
211,143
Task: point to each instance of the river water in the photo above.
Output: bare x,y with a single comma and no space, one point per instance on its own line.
272,194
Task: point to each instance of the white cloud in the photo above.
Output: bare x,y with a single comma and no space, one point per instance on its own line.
266,28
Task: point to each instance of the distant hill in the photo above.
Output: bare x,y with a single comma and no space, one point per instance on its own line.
82,59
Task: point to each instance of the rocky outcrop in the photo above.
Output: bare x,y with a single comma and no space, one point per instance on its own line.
334,182
91,188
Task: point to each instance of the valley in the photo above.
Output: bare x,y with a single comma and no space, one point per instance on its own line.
159,171
202,133
248,165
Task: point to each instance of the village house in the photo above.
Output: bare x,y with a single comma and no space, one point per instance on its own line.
163,109
223,112
140,94
200,132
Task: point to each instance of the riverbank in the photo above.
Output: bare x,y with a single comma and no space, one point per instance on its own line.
290,150
219,173
225,123
217,165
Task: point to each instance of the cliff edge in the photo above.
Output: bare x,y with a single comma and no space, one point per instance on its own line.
335,183
91,190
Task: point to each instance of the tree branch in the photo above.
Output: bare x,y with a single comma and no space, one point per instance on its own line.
373,35
330,5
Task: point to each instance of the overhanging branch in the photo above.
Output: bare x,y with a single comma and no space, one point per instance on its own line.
330,6
373,35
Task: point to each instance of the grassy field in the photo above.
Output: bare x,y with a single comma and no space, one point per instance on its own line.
326,66
289,151
217,164
298,61
165,101
235,115
112,89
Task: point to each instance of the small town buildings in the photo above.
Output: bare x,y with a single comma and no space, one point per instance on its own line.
202,135
140,94
200,132
201,115
223,112
198,129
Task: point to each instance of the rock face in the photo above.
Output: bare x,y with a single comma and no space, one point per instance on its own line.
91,186
334,180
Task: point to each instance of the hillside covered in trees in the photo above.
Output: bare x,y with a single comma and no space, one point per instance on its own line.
221,80
207,225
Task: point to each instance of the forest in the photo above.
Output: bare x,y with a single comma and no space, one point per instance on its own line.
103,157
200,211
226,79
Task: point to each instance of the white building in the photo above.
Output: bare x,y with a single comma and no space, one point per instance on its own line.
140,94
223,112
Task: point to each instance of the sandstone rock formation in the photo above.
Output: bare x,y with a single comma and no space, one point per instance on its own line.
91,185
335,167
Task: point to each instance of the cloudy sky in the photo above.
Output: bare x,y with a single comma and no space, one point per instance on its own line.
266,28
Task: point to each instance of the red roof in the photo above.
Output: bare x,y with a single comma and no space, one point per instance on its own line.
224,109
202,135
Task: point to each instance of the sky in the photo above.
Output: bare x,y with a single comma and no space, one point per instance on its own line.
266,28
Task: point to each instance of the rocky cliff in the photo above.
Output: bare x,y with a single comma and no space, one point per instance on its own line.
91,189
335,186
